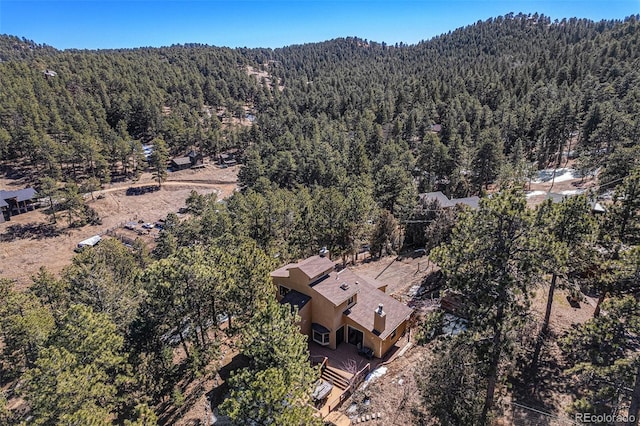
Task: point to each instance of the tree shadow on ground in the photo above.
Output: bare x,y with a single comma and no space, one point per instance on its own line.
36,231
537,394
218,393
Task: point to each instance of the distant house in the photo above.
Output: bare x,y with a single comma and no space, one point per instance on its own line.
16,202
435,128
228,159
596,207
341,307
445,202
195,158
180,163
192,159
50,73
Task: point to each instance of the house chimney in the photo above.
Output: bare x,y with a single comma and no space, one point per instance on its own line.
379,319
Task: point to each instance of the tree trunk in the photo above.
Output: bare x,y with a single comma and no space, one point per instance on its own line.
634,407
543,331
547,314
596,313
53,210
203,334
184,344
492,380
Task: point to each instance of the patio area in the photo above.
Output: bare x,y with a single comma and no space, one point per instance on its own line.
346,369
346,358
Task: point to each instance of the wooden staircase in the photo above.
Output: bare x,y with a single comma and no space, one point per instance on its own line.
334,377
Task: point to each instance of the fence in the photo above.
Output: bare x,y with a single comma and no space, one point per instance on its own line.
359,377
334,403
354,382
525,415
112,232
321,360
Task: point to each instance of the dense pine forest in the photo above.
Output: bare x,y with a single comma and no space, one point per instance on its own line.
336,140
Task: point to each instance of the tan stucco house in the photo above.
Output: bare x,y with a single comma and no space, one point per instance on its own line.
341,307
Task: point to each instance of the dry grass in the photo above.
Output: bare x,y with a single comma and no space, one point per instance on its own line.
21,258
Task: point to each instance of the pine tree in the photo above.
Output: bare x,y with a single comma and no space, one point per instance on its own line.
75,379
571,226
26,326
492,261
73,202
48,188
601,355
277,386
158,160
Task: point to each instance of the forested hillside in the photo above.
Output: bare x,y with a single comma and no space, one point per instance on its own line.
346,134
506,92
94,109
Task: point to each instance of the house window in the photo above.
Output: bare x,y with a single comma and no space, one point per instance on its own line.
321,338
283,291
393,334
351,301
320,334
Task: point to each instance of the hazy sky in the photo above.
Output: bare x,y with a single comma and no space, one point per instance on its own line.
94,24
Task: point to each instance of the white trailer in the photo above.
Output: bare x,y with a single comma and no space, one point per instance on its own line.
89,242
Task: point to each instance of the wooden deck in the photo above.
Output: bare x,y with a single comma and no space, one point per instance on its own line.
345,357
347,363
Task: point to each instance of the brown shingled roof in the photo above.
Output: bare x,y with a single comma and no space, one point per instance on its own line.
315,266
367,302
338,286
181,161
283,272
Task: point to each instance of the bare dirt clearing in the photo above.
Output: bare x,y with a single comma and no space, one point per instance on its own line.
399,273
20,258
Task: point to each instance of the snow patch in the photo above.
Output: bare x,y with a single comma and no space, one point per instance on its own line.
453,325
561,175
535,193
572,192
413,291
378,372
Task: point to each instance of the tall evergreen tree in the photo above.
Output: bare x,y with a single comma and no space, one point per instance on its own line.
276,388
492,261
158,160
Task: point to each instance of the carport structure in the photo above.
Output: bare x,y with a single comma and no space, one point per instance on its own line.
16,202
